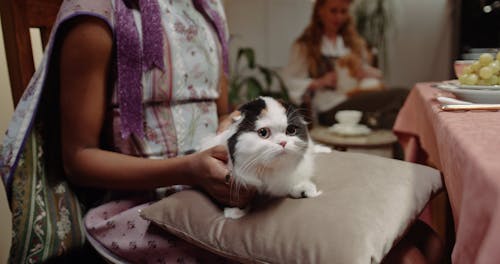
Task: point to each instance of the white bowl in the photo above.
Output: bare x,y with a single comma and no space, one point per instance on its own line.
475,55
350,117
485,96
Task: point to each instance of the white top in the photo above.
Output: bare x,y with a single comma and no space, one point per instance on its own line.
296,75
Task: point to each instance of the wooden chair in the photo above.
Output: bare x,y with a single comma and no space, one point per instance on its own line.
18,16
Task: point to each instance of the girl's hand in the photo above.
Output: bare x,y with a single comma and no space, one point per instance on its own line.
329,80
371,72
211,174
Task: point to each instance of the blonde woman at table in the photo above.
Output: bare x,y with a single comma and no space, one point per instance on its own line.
329,69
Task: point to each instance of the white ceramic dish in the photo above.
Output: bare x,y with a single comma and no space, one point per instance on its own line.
470,87
485,96
350,130
479,87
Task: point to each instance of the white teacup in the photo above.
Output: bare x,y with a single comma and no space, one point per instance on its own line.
348,117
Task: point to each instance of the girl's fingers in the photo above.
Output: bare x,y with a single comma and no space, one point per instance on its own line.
219,152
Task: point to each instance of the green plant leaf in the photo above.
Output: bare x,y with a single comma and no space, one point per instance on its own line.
249,54
268,76
373,19
284,91
234,92
245,85
254,88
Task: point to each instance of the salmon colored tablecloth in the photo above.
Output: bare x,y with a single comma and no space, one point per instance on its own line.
465,146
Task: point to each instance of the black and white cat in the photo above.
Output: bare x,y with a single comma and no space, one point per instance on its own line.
270,149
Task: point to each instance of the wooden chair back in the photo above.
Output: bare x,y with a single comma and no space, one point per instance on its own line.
18,16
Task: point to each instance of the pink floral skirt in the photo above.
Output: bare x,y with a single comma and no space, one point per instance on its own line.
119,234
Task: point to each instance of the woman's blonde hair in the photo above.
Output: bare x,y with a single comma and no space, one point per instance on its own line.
310,40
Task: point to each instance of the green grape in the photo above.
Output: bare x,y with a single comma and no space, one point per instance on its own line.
493,80
495,66
475,66
463,78
485,59
486,81
486,72
468,69
472,79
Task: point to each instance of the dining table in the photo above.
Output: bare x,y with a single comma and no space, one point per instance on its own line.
465,147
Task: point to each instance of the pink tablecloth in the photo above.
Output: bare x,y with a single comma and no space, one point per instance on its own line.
465,146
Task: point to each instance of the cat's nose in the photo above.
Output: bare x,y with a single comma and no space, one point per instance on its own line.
283,143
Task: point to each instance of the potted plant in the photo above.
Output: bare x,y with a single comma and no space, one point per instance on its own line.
249,80
372,21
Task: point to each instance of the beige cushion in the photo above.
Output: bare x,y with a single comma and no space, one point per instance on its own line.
366,205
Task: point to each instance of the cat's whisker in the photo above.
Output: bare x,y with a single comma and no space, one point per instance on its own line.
253,160
247,166
234,189
260,172
295,113
301,144
295,119
244,170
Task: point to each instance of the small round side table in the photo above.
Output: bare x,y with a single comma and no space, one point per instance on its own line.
378,142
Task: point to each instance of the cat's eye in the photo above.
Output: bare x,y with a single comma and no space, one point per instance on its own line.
291,130
264,132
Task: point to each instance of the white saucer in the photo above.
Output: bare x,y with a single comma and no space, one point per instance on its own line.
350,130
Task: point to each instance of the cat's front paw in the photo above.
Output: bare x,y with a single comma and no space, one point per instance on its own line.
318,148
234,212
305,189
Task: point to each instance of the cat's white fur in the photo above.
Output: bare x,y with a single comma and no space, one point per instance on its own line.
266,164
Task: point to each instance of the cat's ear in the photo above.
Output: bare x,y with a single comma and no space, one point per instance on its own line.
304,122
236,118
284,103
253,107
287,105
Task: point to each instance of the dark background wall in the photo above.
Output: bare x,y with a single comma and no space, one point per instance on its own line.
479,29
